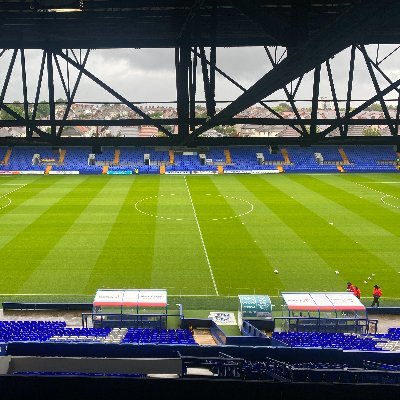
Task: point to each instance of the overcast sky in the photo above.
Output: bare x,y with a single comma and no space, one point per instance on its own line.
149,74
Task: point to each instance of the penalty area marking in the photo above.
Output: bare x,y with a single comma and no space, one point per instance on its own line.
385,195
202,240
5,196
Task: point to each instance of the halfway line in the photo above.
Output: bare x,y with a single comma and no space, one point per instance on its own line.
202,240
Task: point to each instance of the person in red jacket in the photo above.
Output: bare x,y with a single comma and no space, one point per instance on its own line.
350,287
357,292
377,294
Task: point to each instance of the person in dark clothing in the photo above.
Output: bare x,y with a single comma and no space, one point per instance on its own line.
377,294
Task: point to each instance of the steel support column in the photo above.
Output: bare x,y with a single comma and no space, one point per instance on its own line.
50,84
182,65
314,105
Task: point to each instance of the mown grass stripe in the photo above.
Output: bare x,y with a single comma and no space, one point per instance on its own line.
239,265
30,246
179,262
83,242
127,256
281,246
337,246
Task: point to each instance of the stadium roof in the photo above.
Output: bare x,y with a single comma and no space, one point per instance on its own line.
167,23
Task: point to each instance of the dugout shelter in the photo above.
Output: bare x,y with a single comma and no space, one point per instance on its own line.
324,312
256,310
129,308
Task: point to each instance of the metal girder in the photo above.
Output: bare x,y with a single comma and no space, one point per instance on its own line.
182,67
50,85
73,93
347,119
314,106
378,90
196,121
329,41
24,89
333,91
200,142
146,119
287,93
238,85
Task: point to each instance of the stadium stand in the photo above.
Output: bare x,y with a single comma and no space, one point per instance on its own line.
291,159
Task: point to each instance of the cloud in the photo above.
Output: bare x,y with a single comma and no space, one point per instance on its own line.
149,74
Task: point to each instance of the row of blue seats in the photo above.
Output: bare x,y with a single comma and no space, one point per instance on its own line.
159,336
327,340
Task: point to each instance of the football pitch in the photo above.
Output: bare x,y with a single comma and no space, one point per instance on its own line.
221,235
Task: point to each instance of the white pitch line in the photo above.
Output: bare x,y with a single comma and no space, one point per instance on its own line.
7,194
202,240
382,193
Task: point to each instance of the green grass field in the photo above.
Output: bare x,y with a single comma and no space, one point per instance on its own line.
66,236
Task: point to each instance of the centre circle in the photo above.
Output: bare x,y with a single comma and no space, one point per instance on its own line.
168,199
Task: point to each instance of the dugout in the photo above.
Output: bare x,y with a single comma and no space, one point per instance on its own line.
324,312
257,310
138,308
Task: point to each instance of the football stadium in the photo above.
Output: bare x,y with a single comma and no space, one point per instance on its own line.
199,246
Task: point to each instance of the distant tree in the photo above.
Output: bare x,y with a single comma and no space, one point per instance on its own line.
61,100
157,114
17,107
43,110
374,107
283,107
226,130
371,131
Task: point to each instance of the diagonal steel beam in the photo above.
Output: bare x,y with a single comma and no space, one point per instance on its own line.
242,88
330,40
289,96
333,91
61,77
146,119
377,89
7,78
357,110
73,93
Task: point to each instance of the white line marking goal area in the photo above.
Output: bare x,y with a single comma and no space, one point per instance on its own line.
384,195
201,237
5,196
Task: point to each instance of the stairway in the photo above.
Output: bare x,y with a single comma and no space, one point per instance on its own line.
162,169
171,157
62,156
7,156
340,168
116,335
117,153
343,155
48,169
228,158
220,169
105,170
203,337
280,168
285,155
